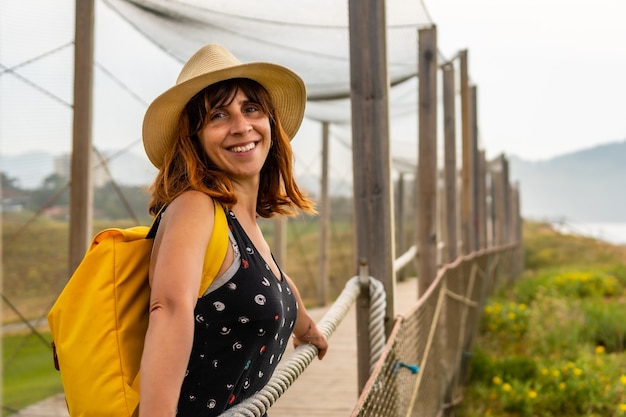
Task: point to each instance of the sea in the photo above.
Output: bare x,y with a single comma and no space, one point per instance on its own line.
614,233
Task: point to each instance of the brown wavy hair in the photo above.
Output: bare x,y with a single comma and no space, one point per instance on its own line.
187,166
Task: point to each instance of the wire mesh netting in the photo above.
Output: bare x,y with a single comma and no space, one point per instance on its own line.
36,66
130,69
310,37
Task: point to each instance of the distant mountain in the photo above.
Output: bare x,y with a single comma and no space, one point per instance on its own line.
585,186
28,169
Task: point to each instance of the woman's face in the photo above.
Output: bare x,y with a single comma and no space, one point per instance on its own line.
237,137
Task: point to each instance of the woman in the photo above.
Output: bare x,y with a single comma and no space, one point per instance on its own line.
220,135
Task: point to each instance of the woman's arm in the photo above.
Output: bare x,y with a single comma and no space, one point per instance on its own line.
305,330
175,276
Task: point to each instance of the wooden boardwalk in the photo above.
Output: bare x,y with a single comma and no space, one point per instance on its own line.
327,388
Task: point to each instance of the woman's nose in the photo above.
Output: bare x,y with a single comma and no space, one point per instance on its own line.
240,124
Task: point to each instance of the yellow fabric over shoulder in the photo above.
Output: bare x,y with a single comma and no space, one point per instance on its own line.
216,249
99,321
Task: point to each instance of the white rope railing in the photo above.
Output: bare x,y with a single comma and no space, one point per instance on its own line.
378,307
404,259
291,367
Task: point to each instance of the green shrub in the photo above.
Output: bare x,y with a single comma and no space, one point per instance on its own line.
593,384
530,286
569,360
583,284
570,282
618,270
510,368
605,325
506,320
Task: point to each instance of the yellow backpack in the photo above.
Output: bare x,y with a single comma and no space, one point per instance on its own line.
99,321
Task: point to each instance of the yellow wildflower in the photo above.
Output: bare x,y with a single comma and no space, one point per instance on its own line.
532,394
497,380
562,385
622,379
622,407
600,350
577,371
506,387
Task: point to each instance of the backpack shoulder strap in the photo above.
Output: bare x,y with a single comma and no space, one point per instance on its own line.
216,249
155,223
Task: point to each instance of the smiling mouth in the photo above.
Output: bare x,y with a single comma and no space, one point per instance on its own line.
245,148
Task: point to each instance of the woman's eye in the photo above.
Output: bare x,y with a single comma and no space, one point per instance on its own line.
251,108
217,115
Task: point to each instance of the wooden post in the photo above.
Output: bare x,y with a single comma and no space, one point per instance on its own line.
481,200
506,199
490,220
371,160
467,203
499,218
427,185
475,169
515,213
459,210
81,192
440,228
400,235
324,209
517,231
449,132
427,159
511,214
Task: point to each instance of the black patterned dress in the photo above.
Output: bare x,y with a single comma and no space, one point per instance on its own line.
242,327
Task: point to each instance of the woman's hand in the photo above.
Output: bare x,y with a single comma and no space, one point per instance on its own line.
306,331
314,337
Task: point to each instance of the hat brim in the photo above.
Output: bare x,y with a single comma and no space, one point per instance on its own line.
285,88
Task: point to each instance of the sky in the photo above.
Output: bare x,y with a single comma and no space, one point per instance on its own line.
549,75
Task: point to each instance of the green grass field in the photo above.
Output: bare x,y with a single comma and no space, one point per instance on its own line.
28,371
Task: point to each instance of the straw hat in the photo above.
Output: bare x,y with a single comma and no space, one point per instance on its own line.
211,64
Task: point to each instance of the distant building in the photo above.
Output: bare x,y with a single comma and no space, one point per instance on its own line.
63,163
13,200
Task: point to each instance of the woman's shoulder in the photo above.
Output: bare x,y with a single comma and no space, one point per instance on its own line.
192,199
190,206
